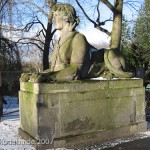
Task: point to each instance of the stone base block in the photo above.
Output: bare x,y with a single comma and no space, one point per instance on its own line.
71,113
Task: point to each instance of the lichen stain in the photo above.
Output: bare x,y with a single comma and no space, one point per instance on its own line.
77,124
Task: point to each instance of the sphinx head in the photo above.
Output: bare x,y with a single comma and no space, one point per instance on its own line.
64,13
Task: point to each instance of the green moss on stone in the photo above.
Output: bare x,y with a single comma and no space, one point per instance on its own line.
29,86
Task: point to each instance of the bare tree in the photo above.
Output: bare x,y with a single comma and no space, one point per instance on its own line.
43,37
9,53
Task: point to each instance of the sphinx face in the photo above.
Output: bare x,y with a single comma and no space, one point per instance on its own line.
59,20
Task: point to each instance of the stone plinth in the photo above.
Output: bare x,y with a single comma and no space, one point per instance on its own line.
66,114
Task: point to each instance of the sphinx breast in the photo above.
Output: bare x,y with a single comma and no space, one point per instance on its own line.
60,58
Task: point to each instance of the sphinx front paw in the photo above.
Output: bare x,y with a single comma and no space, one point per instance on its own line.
38,78
25,77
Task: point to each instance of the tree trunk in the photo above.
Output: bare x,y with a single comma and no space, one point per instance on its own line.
117,25
48,37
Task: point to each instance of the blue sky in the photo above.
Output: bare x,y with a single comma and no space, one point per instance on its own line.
89,6
93,35
87,28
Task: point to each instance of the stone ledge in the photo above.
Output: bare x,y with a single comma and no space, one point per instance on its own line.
84,85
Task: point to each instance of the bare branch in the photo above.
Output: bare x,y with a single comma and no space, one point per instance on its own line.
42,33
3,5
132,5
29,42
41,24
39,8
32,39
98,17
85,13
30,24
109,5
53,32
135,3
103,22
103,30
98,24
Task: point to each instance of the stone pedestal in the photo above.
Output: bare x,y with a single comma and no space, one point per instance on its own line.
70,113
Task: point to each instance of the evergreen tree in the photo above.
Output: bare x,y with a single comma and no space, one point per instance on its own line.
141,44
126,41
136,39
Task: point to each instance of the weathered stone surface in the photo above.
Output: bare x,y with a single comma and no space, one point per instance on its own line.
28,113
60,87
79,86
125,83
74,112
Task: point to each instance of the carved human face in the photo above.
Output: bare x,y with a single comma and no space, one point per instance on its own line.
59,20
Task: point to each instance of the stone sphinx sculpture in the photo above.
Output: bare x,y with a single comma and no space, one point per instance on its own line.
71,58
